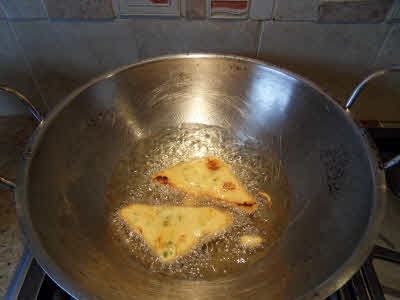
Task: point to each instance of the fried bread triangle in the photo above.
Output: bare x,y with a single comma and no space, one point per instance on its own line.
210,177
173,231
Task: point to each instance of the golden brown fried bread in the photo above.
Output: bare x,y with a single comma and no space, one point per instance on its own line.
172,231
211,177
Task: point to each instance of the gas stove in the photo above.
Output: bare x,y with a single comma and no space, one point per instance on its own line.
378,278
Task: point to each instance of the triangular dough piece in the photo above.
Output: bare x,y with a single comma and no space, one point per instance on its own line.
208,176
172,231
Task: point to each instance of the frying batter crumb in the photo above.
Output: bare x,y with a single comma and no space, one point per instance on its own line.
266,196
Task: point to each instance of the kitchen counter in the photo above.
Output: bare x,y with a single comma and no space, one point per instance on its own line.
14,134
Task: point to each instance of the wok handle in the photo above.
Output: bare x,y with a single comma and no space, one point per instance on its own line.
357,91
19,276
4,182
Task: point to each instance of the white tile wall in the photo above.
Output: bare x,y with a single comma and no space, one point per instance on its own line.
21,9
380,99
159,37
68,54
335,56
304,10
147,8
63,55
261,9
16,74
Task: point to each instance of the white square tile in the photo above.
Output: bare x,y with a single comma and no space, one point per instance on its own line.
20,9
16,74
69,54
160,37
296,10
335,56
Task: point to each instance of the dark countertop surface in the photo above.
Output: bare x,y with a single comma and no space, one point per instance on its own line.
14,134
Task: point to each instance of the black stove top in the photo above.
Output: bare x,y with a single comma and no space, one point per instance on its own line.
30,281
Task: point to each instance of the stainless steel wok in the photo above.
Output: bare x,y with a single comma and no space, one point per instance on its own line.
337,185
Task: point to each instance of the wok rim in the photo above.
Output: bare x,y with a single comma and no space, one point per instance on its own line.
331,284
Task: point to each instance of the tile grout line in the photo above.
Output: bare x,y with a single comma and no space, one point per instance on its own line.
2,8
274,8
44,8
260,38
116,9
30,69
392,11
